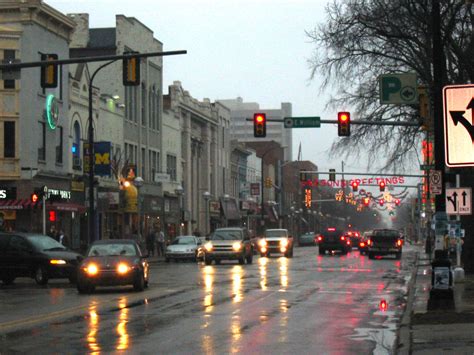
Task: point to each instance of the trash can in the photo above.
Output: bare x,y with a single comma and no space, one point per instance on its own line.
441,272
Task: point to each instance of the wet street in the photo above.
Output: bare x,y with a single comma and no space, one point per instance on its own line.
307,304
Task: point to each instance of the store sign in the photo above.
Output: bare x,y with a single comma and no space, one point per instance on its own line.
7,193
214,207
63,194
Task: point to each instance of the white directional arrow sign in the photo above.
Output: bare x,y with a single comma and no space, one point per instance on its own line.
458,105
459,201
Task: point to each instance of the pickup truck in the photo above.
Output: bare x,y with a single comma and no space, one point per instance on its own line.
231,243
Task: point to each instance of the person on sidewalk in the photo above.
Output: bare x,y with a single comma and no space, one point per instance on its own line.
161,243
150,243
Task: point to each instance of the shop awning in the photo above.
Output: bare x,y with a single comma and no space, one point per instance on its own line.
20,204
66,206
230,208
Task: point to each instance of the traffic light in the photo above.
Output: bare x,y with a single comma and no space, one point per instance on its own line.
131,70
37,194
307,198
332,174
366,201
49,72
260,125
34,197
381,202
343,124
268,182
355,185
52,216
382,186
397,202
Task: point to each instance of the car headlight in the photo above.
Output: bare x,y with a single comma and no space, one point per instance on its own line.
284,242
123,268
91,269
208,246
262,243
237,246
57,262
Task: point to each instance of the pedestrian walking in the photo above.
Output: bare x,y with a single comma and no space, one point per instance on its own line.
150,242
161,243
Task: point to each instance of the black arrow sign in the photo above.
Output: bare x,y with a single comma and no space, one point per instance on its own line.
453,200
464,194
458,117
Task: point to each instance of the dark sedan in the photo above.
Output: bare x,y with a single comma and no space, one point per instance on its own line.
113,262
37,256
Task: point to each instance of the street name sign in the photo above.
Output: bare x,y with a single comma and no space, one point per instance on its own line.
459,201
435,182
398,88
302,122
458,117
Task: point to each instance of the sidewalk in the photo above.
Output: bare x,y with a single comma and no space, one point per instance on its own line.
440,331
155,259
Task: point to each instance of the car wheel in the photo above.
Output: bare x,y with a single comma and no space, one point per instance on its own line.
139,284
242,260
41,275
249,259
146,283
207,261
217,262
371,255
81,288
398,255
322,251
72,279
8,280
344,251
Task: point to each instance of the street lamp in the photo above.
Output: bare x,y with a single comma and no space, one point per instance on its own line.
138,182
226,198
180,192
207,196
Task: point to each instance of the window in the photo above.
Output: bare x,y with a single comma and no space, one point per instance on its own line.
171,167
9,139
59,145
9,54
143,104
42,143
143,162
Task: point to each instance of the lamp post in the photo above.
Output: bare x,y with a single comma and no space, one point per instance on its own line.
138,182
207,196
226,198
180,192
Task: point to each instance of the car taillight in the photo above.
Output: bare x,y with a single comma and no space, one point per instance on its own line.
348,242
362,244
399,243
343,238
369,242
319,238
383,305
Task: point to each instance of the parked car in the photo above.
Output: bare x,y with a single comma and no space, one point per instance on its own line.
333,239
113,262
307,239
363,246
385,242
184,247
37,256
276,241
228,244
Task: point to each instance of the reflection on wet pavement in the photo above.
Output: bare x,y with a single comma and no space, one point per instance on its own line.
123,341
93,329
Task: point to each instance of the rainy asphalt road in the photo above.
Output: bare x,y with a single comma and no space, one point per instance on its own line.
307,304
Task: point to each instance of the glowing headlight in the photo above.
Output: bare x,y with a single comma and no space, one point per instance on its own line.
236,246
92,269
208,246
123,268
262,242
284,242
57,262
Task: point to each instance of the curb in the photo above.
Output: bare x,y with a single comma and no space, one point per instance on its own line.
403,337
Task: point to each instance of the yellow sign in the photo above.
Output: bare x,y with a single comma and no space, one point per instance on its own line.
131,199
102,158
307,197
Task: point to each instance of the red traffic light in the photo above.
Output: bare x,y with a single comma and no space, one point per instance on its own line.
343,124
34,197
382,186
397,202
259,125
383,305
366,201
381,202
354,185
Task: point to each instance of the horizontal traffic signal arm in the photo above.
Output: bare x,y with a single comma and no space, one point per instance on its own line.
14,66
369,123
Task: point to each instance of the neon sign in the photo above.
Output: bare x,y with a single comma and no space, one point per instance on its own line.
52,111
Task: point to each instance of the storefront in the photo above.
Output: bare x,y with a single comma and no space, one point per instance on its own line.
230,212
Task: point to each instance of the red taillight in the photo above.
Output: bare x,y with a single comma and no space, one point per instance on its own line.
399,243
362,244
319,238
348,242
343,238
383,305
369,242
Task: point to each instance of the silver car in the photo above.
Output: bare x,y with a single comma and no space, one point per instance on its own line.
184,247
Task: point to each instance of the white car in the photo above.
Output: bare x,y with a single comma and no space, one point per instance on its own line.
184,247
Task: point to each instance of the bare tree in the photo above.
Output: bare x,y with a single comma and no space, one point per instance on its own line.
363,39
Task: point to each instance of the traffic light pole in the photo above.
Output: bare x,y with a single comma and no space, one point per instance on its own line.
44,212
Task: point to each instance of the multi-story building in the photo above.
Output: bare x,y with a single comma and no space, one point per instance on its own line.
142,124
204,162
242,129
34,121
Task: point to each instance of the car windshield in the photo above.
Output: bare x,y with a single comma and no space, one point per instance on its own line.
227,235
116,249
276,234
386,232
184,241
45,243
